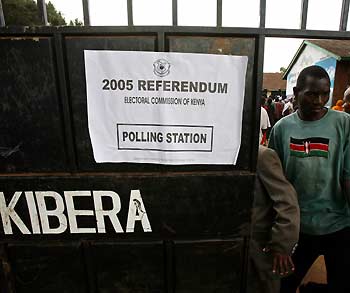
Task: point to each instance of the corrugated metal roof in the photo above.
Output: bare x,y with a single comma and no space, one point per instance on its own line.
339,49
274,81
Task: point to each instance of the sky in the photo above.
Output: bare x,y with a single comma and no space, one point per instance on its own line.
322,14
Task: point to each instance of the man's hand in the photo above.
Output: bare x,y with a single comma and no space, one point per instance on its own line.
282,264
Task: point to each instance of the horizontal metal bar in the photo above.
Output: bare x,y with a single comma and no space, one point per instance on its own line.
303,13
344,15
317,34
174,30
2,17
86,12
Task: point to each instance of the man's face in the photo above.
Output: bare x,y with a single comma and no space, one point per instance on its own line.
347,98
312,97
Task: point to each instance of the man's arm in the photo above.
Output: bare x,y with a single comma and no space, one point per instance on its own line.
347,160
285,229
347,189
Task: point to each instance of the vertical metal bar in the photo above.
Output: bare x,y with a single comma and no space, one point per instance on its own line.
262,13
303,15
259,63
86,12
344,15
42,12
161,41
65,103
6,273
2,17
219,13
245,264
175,12
130,14
88,258
169,259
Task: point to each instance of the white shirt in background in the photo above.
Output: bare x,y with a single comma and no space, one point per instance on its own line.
264,122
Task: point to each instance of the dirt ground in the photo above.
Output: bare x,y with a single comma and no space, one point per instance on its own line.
317,272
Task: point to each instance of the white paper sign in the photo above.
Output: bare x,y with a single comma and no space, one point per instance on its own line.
165,108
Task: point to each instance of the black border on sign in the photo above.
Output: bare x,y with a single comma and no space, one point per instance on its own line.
161,150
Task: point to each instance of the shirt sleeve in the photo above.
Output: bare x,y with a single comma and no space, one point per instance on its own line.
286,224
264,119
347,150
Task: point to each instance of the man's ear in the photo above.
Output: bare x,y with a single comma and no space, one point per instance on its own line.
295,92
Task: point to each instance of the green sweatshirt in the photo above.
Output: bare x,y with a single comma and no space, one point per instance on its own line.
316,159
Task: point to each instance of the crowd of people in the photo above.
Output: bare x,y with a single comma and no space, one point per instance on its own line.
275,107
302,195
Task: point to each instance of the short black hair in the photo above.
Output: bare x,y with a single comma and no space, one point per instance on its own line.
313,71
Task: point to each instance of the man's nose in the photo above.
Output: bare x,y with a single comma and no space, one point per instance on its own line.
319,99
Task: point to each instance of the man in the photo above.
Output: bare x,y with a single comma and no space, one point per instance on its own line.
314,147
275,225
288,107
346,100
264,123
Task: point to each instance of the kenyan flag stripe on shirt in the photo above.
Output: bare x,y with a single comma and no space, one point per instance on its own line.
309,147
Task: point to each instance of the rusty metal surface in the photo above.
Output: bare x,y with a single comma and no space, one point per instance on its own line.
228,46
76,71
178,207
29,108
199,214
43,269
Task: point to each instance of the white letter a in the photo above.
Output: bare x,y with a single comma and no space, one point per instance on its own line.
137,212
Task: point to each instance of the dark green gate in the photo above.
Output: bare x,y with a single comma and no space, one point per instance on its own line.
199,214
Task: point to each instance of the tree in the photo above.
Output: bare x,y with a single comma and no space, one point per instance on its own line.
76,22
25,12
283,70
20,12
54,17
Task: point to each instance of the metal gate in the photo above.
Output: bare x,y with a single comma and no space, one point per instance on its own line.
199,214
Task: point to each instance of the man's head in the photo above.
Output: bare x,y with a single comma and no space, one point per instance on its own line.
347,95
312,92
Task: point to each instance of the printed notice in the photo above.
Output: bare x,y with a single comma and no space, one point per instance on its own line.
164,108
165,138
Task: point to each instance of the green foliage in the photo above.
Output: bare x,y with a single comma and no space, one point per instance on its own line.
54,17
25,12
20,12
76,22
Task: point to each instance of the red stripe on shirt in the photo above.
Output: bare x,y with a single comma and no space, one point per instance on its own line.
297,147
318,146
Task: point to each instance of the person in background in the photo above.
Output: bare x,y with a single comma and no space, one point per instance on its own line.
346,97
346,100
314,147
347,108
288,107
264,124
278,108
275,225
338,106
271,110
